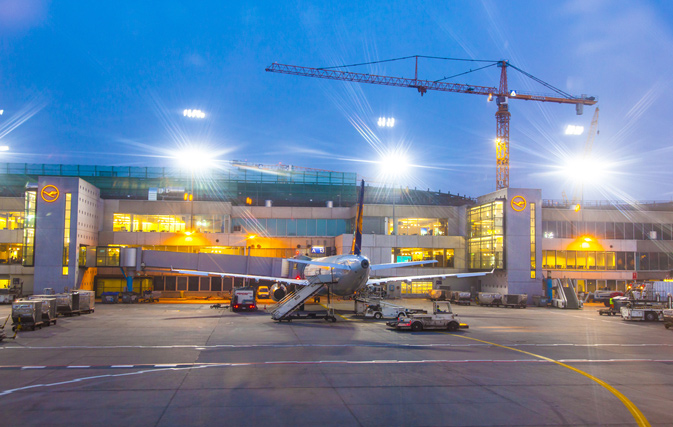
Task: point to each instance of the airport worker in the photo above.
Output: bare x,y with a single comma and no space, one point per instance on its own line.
612,303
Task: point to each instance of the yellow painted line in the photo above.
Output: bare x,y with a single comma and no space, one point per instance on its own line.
635,412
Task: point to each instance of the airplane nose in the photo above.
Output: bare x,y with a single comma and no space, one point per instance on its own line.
364,263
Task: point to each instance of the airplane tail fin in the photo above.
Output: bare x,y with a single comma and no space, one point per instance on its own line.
357,234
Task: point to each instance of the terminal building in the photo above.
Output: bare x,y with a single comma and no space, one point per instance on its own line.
103,228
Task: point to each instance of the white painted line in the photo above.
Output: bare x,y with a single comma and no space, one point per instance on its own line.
33,367
165,366
122,366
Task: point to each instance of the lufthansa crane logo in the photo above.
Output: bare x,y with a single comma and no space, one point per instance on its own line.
518,203
49,193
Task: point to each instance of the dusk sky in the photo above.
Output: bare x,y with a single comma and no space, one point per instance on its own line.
105,83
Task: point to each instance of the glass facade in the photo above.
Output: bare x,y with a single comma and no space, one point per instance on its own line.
10,253
419,226
416,287
607,230
149,223
486,239
273,227
66,233
28,256
107,256
532,241
444,257
606,260
11,220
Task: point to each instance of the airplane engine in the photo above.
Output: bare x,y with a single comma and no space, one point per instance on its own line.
278,291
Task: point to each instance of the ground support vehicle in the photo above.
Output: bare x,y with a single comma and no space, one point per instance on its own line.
26,314
648,313
461,297
243,299
442,317
67,304
150,296
490,299
328,315
381,309
515,300
604,296
668,317
609,311
263,292
439,294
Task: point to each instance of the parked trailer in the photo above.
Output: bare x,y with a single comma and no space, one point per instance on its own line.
515,300
383,309
489,298
26,314
643,312
461,297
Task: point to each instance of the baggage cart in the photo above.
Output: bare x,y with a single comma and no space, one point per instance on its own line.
461,297
67,304
26,314
49,313
129,297
490,299
109,298
86,301
515,300
150,296
668,318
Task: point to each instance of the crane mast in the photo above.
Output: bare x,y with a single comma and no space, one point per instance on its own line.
501,94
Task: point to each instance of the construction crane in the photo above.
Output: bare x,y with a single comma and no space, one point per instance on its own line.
502,95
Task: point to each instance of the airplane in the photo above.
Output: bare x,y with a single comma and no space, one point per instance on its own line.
344,274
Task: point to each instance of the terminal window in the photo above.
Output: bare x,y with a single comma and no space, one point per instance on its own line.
11,220
419,227
107,257
416,287
444,257
486,239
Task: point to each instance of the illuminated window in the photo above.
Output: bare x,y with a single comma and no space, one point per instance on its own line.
11,220
82,256
107,256
416,287
486,240
419,227
4,283
532,241
444,257
28,256
149,223
10,253
66,233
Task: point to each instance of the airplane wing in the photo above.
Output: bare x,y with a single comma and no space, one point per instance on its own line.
375,267
245,276
427,276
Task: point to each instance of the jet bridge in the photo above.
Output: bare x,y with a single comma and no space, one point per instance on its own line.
286,307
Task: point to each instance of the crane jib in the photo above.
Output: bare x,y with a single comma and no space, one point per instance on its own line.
421,85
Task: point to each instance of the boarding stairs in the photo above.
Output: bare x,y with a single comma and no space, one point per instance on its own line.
293,301
565,294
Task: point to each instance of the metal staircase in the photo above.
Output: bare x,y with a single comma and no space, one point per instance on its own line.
291,303
565,294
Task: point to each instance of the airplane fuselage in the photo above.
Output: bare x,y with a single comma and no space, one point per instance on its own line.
342,282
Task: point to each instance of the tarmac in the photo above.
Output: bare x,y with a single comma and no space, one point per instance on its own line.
189,364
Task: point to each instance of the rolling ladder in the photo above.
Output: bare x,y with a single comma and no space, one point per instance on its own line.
291,303
566,296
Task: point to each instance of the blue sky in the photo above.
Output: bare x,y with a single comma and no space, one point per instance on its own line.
106,83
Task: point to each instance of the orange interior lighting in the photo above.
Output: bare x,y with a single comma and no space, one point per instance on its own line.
585,243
